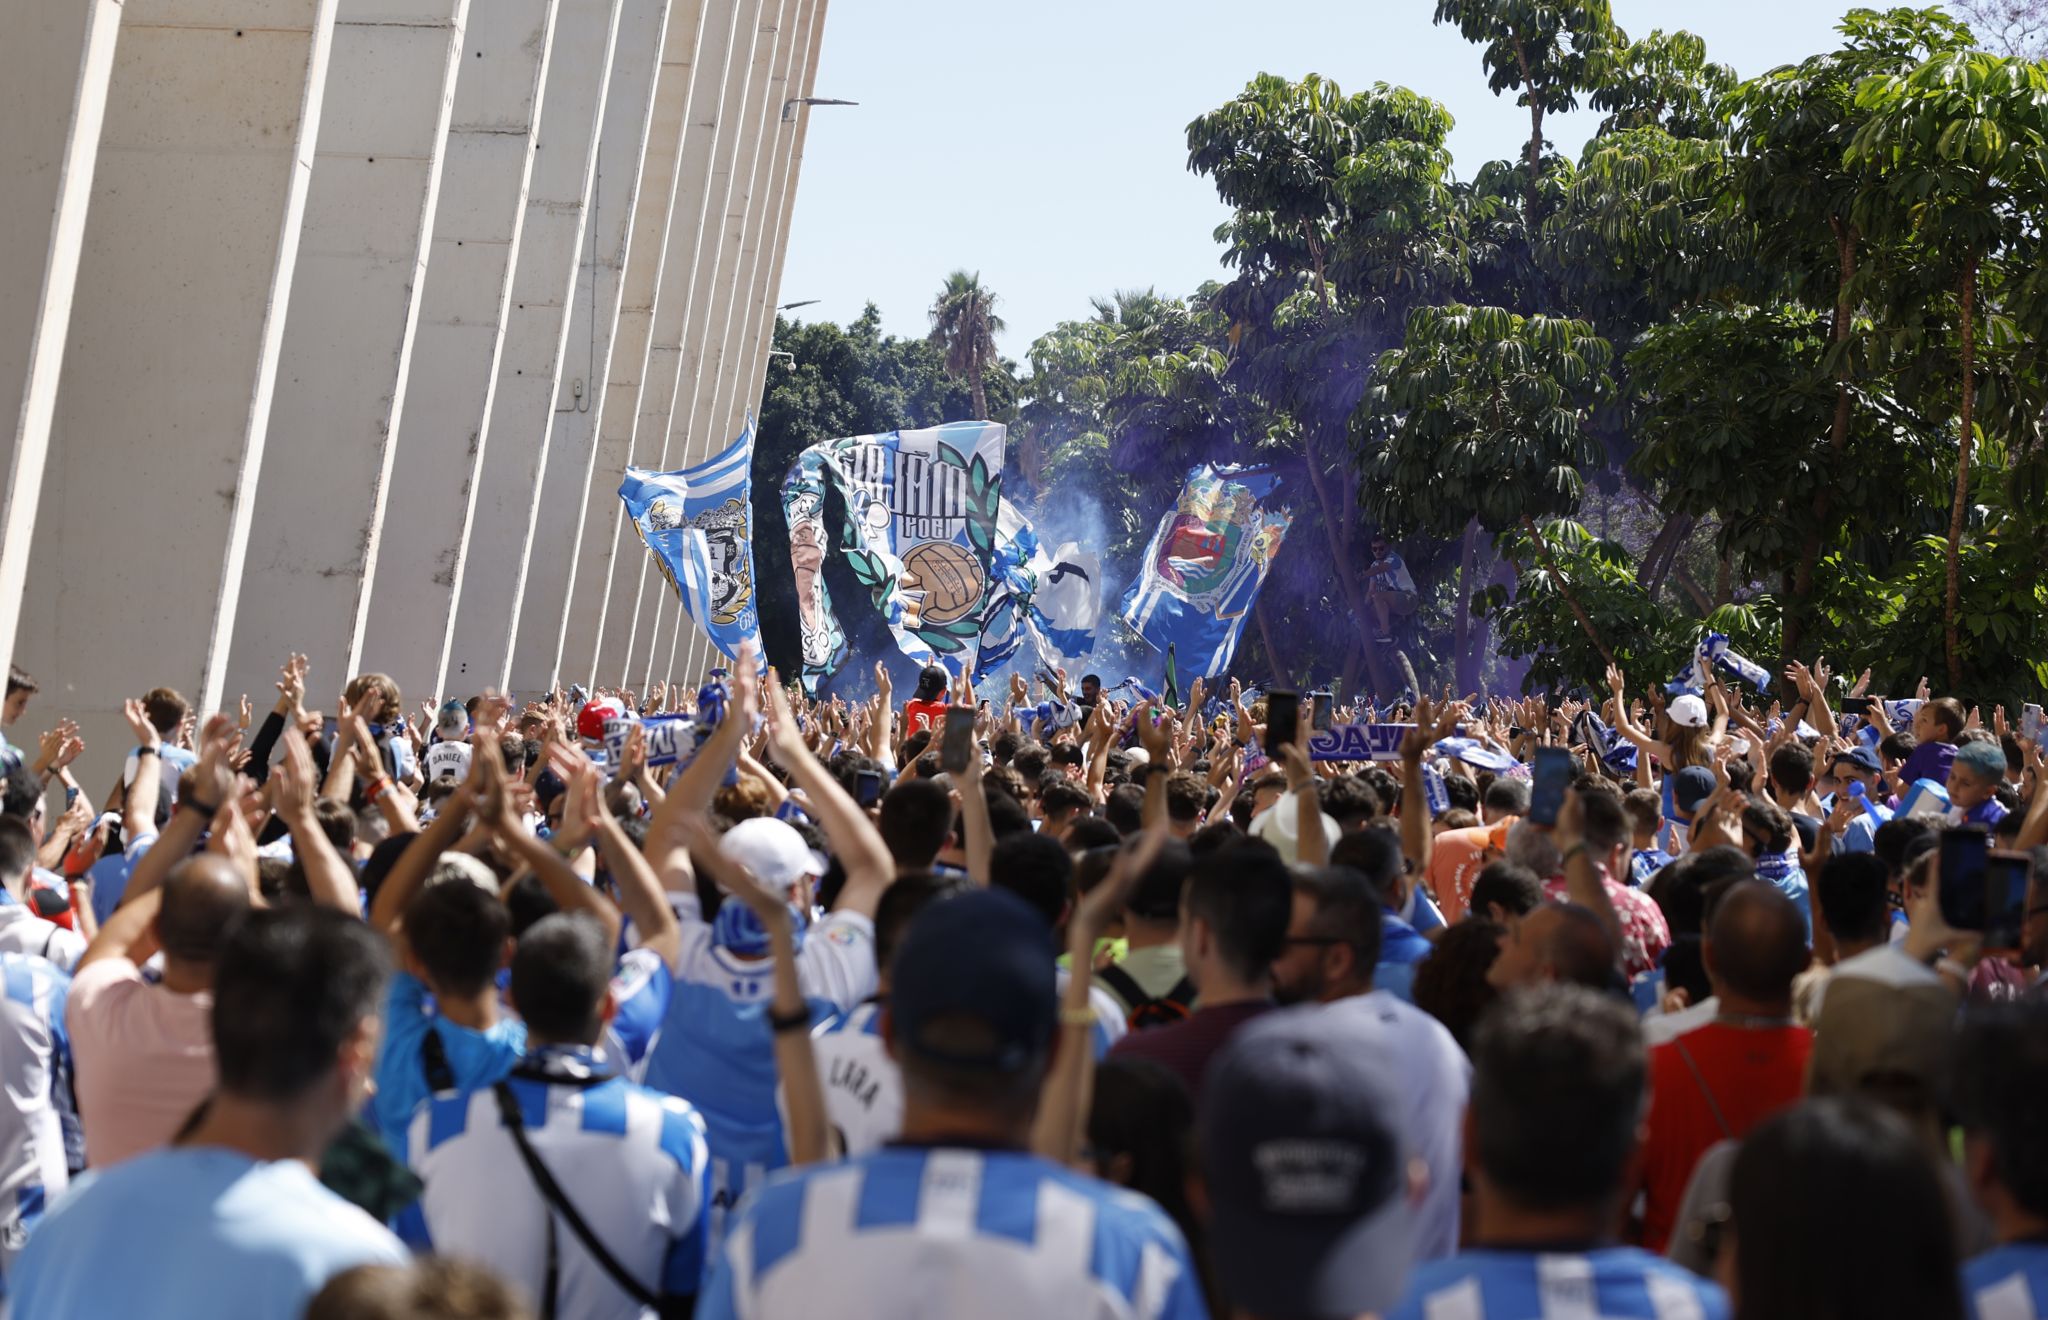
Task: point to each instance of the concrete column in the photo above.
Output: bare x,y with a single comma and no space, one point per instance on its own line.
624,143
733,160
55,67
348,341
492,565
768,235
725,53
164,401
443,424
692,74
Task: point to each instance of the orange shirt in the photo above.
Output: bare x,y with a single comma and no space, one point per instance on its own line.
1456,857
1751,1072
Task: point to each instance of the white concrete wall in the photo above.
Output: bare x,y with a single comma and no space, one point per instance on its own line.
753,49
771,232
443,428
492,569
725,52
56,63
164,402
593,325
349,335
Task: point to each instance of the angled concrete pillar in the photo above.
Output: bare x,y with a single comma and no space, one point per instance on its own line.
685,74
443,427
623,145
492,566
164,401
753,319
725,53
753,54
56,63
348,339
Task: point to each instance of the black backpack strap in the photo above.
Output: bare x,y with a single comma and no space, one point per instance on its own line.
558,1201
1182,994
440,1074
1125,986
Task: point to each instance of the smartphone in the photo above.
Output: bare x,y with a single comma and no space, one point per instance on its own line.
1857,705
2030,722
958,739
1283,719
1321,709
1963,853
1553,778
2008,878
867,787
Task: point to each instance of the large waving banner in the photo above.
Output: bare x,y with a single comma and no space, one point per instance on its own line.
1205,565
921,512
699,525
1045,605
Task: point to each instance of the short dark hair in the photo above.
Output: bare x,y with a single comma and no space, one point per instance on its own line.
1156,897
907,896
1559,1079
1901,841
1507,797
1769,822
1347,909
1349,800
1852,892
1948,713
915,821
1038,870
1461,790
560,973
1245,895
458,933
1092,832
424,1288
1999,1077
1375,854
1605,823
23,792
1645,809
292,984
1186,796
1504,884
17,847
20,680
166,708
1792,768
1006,816
1813,1187
1125,809
1061,798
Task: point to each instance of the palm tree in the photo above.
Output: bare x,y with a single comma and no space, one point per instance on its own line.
964,327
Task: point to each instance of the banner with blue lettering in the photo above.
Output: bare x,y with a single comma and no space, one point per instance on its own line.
1358,742
699,526
1047,606
921,510
1205,565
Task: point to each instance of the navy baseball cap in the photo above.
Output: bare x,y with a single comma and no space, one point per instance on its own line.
985,957
1301,1138
1861,757
1691,786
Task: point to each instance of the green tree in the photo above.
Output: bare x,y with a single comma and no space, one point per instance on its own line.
1547,50
1960,147
1491,411
1663,81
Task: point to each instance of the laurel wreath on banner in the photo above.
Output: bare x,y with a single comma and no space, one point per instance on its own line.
984,501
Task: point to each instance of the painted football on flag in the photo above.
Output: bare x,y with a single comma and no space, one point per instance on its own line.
948,576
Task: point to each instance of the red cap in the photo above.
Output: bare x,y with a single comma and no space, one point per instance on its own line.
590,720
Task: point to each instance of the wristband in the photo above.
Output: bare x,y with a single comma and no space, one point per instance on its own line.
1077,1017
781,1024
1574,851
194,804
375,789
146,750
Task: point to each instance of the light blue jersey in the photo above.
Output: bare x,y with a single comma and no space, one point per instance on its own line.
714,1048
475,1058
632,1161
1613,1283
35,1097
997,1235
2008,1283
195,1233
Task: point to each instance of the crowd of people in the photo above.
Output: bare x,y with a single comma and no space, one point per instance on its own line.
1676,1004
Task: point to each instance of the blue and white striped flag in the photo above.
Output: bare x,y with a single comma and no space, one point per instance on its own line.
699,526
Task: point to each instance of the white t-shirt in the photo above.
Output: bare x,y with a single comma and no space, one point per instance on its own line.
447,760
863,1087
22,931
35,1067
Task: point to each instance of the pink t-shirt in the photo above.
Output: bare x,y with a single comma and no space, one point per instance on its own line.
144,1056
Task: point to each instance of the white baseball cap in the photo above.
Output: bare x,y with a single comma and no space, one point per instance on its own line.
1688,712
775,853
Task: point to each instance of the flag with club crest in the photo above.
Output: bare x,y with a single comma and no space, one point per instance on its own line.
1044,605
1205,565
699,526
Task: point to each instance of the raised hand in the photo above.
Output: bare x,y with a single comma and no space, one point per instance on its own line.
138,720
291,682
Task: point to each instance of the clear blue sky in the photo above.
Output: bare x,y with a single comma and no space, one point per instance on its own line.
1044,144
